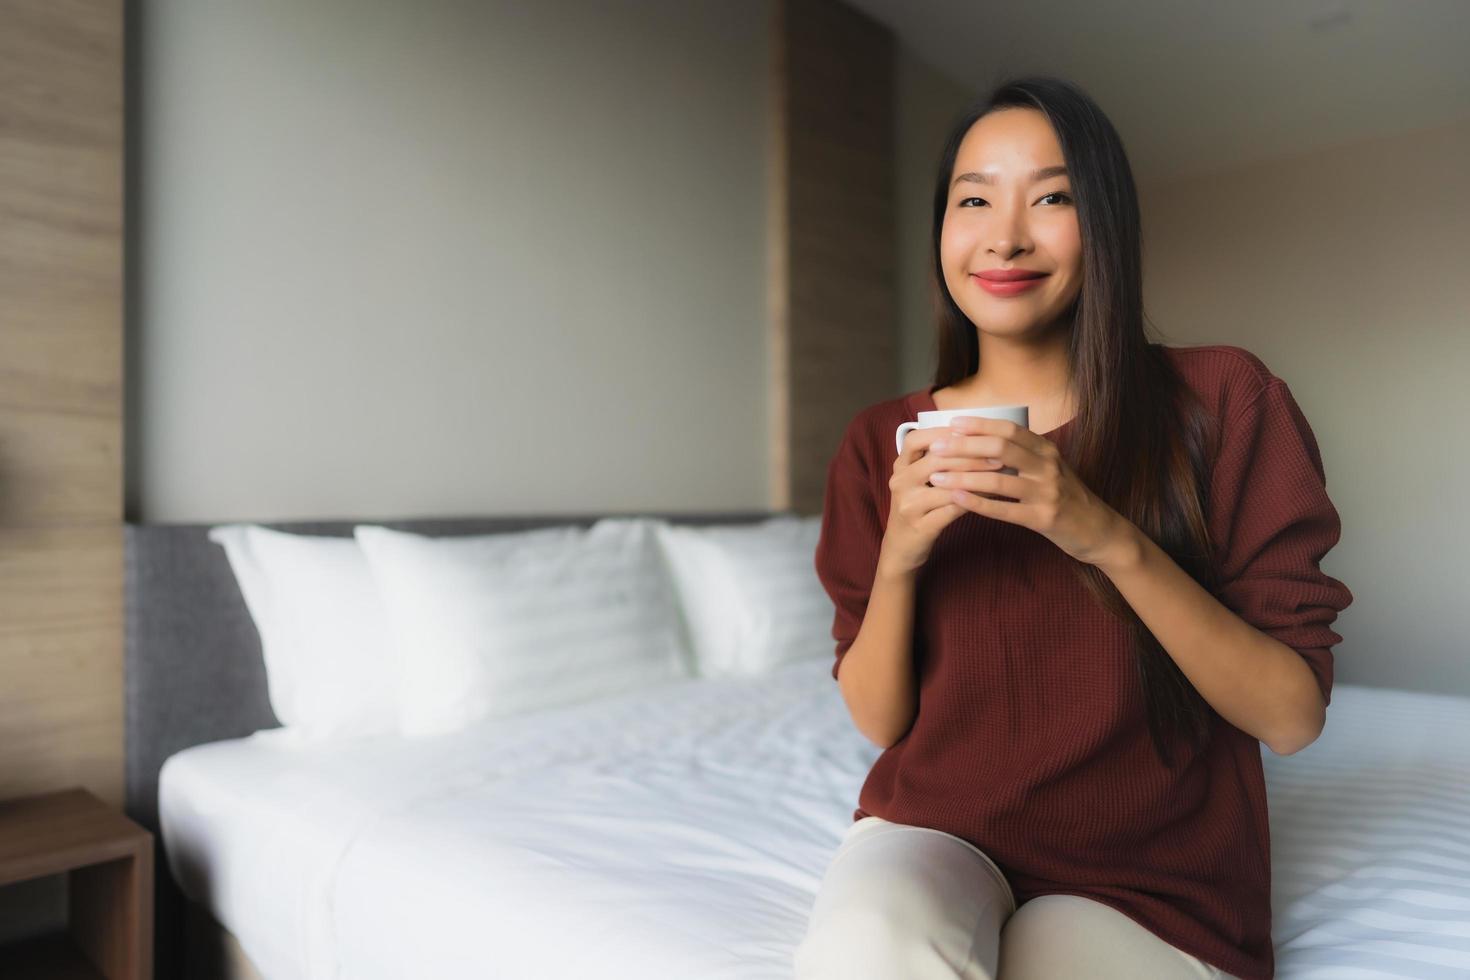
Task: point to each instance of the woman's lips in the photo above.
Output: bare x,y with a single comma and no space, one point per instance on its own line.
1012,288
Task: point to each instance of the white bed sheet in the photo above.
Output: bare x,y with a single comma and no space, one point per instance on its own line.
682,831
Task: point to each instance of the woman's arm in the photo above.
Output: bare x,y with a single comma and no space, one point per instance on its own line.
876,675
1257,683
1257,646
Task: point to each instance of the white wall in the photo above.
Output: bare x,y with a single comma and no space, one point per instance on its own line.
1344,270
446,257
453,258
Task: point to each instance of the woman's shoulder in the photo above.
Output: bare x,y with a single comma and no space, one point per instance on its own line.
1225,376
868,438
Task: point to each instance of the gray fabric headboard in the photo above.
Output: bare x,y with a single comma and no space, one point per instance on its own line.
193,667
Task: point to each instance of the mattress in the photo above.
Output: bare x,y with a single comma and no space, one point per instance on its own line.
683,830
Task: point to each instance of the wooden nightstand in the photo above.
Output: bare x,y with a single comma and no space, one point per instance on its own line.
109,863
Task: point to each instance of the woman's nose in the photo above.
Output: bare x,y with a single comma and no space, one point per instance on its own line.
1008,230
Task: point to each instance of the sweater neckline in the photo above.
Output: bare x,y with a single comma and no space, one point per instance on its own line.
922,400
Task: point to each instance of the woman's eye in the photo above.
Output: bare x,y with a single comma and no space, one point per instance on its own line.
964,202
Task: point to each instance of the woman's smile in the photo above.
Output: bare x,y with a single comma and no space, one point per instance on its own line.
1013,288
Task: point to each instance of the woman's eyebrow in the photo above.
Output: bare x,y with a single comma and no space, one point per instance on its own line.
1041,173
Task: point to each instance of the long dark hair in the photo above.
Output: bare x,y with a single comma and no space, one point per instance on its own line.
1140,437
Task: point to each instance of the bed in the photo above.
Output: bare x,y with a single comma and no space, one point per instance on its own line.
677,831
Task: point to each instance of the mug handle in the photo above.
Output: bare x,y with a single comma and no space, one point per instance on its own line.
904,430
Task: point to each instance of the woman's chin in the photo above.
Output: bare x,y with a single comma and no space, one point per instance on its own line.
1011,325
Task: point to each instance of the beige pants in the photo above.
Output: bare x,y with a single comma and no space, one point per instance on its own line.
921,904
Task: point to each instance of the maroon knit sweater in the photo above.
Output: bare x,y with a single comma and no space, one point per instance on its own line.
1031,739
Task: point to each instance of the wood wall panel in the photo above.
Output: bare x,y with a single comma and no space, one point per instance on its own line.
61,388
833,239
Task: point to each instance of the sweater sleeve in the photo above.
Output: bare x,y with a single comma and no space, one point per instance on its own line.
1272,522
850,539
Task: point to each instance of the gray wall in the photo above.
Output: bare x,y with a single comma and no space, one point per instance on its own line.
926,104
446,257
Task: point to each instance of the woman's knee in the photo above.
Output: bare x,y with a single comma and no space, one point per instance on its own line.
905,903
1062,935
860,941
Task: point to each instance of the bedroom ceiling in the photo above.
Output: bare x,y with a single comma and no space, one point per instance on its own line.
1196,86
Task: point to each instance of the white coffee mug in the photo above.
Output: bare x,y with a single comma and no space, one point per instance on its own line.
941,418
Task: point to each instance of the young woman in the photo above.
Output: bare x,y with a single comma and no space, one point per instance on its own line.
1071,669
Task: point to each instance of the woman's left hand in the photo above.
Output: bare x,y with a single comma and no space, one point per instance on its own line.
1048,497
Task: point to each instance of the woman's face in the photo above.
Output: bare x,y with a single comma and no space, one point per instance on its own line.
1000,216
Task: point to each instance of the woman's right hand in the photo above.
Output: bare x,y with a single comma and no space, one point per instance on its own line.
918,511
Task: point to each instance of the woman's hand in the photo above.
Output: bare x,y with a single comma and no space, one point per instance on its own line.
1045,494
917,511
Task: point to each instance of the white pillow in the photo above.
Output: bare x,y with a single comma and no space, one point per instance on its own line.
329,664
500,624
749,593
